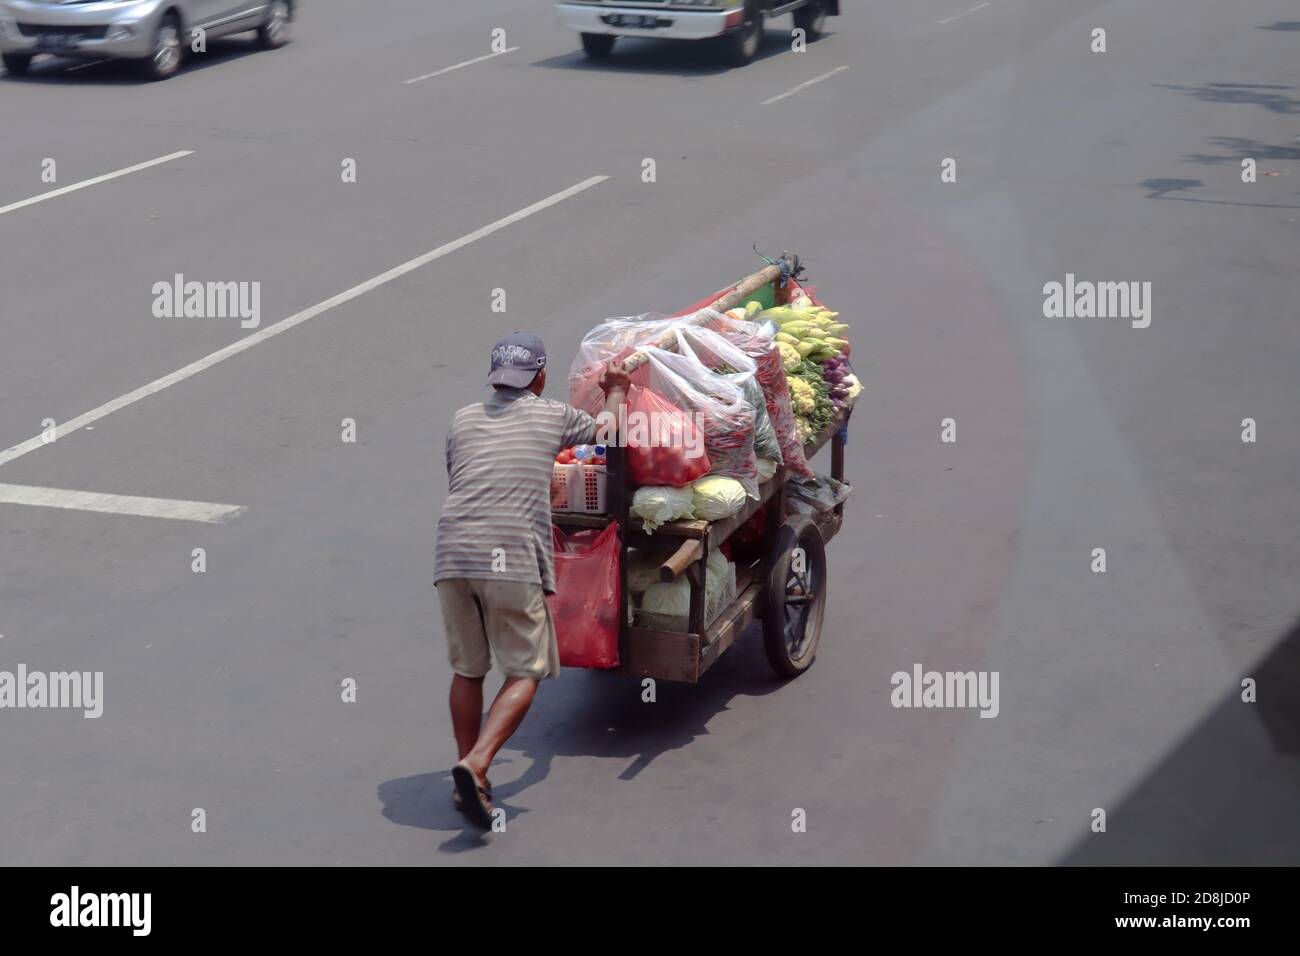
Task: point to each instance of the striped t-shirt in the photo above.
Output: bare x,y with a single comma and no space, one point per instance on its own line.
499,458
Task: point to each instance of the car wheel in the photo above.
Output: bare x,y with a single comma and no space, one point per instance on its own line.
811,19
743,43
16,63
597,45
167,50
275,31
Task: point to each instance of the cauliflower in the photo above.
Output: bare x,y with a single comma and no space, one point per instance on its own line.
790,356
802,397
803,430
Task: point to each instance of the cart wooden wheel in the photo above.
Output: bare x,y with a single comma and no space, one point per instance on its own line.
795,597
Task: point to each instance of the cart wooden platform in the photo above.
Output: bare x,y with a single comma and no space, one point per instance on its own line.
785,588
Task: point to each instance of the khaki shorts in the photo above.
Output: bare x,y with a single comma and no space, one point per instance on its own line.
509,617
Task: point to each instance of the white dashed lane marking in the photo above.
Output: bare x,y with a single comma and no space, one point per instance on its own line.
965,13
204,511
284,325
64,190
448,69
804,86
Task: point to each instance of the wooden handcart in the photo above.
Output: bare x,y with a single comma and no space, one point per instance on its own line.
785,588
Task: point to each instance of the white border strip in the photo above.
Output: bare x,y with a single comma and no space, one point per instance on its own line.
92,182
284,325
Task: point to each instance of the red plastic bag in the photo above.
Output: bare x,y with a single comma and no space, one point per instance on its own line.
585,604
664,446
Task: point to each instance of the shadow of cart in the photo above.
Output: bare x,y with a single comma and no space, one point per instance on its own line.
590,714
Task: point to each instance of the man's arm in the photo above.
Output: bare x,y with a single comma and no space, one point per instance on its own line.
614,382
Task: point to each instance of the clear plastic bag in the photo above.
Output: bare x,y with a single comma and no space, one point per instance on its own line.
714,350
770,374
718,405
684,377
821,492
612,339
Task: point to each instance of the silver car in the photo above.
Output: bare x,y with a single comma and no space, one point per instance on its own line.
157,33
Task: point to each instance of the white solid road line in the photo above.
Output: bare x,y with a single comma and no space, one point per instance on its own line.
117,504
804,86
284,325
964,13
91,182
448,69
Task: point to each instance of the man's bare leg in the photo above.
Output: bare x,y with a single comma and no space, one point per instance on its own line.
466,712
503,719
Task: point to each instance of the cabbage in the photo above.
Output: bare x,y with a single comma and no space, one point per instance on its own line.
717,497
655,505
674,599
715,572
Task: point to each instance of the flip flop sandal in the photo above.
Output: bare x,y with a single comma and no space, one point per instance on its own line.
459,803
474,799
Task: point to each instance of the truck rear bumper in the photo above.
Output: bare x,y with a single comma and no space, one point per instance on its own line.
672,24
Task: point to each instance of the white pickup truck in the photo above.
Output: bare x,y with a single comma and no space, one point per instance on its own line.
738,22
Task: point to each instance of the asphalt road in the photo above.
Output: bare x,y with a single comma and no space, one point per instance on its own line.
1119,691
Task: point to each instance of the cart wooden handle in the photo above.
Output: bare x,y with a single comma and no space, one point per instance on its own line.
746,287
690,552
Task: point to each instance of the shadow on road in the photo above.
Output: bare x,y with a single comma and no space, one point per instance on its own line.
1165,188
57,70
424,801
1254,94
1287,26
1240,148
591,714
1229,794
664,57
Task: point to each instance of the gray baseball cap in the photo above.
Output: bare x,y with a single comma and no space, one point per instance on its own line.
516,360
